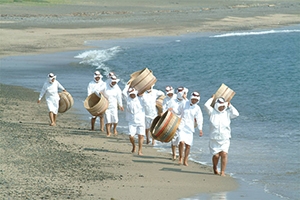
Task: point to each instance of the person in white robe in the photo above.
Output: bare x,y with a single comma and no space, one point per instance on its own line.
190,112
150,97
135,115
220,132
50,90
95,86
113,94
169,96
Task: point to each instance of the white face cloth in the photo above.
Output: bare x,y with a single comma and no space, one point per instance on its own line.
217,105
51,76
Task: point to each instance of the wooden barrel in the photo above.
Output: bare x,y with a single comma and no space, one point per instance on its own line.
159,104
96,105
163,128
142,80
225,92
65,102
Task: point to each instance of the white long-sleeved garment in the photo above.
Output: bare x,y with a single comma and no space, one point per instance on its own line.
135,113
95,87
220,121
50,90
167,102
189,113
114,97
150,102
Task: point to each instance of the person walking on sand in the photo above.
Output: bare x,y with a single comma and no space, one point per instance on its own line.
220,132
50,88
173,105
135,115
150,97
114,96
190,112
95,86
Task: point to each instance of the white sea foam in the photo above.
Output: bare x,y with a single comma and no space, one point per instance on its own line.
255,33
97,58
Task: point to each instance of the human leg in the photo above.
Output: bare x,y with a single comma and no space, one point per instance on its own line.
51,116
215,161
131,138
115,128
186,154
181,146
173,147
54,118
108,127
223,162
93,120
101,123
147,136
141,140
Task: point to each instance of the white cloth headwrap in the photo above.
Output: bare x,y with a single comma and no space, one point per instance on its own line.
113,78
132,91
195,95
51,76
219,103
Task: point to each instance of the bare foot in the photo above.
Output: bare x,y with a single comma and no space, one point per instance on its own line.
133,149
116,133
185,163
102,130
180,161
216,172
174,157
140,153
108,135
222,174
52,124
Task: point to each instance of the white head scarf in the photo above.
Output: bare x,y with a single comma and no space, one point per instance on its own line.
181,91
169,90
96,75
132,91
195,95
113,78
51,76
220,102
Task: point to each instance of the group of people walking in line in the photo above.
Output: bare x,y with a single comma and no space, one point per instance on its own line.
141,110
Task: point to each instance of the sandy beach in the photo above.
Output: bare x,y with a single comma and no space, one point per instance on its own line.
71,162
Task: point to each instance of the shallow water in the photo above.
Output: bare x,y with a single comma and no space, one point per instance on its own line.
262,67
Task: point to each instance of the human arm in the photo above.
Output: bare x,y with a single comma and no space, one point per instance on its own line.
233,111
42,93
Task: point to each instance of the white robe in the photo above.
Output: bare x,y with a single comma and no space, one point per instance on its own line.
166,102
114,97
52,97
189,113
95,87
150,105
174,103
135,114
220,131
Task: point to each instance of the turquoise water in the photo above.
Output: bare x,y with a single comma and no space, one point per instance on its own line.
262,67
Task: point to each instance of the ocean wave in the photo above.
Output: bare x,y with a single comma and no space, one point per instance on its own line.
97,58
255,33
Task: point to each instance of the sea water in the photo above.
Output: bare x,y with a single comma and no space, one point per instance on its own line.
262,67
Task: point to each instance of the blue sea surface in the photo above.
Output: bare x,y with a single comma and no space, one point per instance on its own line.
262,67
